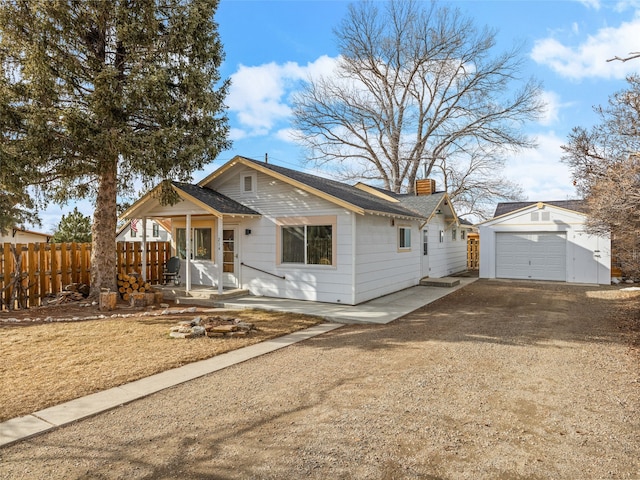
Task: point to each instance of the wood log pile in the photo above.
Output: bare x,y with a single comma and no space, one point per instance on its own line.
131,283
73,292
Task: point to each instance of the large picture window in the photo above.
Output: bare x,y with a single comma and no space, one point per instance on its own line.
200,239
307,244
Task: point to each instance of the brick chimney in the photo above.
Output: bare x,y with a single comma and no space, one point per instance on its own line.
425,186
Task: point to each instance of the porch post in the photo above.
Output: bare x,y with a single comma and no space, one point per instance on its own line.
144,249
219,257
187,275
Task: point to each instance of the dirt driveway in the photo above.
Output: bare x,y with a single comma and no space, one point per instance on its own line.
497,380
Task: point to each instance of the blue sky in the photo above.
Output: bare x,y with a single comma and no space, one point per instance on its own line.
271,45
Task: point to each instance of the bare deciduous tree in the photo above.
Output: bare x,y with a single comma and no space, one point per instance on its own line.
415,86
474,185
605,162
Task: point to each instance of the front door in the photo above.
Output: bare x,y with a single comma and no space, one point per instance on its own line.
229,258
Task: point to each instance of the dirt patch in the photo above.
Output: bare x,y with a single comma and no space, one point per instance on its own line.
497,380
52,355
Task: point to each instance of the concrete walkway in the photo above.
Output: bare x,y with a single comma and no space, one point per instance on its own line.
379,311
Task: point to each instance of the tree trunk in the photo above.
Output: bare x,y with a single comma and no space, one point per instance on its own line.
103,252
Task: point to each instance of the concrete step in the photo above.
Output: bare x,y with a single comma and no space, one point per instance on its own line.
180,295
447,282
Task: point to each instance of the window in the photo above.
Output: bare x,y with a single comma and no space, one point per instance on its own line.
441,236
200,239
463,234
454,234
404,238
134,233
307,244
425,242
156,230
248,183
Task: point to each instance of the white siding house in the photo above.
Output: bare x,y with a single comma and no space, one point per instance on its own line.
133,231
18,235
543,241
282,233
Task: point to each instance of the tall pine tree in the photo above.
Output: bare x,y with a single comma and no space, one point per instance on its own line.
73,227
106,93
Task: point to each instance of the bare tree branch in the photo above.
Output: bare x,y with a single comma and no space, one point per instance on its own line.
632,56
414,86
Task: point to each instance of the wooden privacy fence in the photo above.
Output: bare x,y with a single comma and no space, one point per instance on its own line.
130,259
30,272
33,271
473,251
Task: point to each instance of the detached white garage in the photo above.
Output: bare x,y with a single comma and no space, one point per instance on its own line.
543,241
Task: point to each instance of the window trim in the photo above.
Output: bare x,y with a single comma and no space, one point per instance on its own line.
155,230
400,237
441,236
312,221
454,234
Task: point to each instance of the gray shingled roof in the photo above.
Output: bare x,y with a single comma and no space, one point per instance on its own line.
507,207
215,200
425,205
342,191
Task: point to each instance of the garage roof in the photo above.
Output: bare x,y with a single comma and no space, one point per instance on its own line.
507,207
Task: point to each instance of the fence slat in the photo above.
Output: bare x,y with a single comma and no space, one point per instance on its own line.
8,269
33,279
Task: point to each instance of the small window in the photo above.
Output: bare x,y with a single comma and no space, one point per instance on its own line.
545,216
134,233
441,236
425,242
404,238
156,230
463,234
454,234
248,183
534,216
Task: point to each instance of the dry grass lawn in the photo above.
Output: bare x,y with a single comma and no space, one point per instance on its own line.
49,363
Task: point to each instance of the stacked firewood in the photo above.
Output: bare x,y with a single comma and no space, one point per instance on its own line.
132,283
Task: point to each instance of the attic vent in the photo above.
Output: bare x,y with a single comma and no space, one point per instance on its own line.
534,216
546,216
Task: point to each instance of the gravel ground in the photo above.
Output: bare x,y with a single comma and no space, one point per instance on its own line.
497,380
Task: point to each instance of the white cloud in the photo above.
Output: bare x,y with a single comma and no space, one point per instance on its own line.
540,172
286,135
594,4
589,59
552,108
258,95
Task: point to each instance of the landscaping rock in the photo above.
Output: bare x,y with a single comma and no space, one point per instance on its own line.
212,327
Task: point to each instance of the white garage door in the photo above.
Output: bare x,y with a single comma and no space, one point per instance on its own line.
536,256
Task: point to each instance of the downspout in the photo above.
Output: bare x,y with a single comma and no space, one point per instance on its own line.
354,239
188,255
